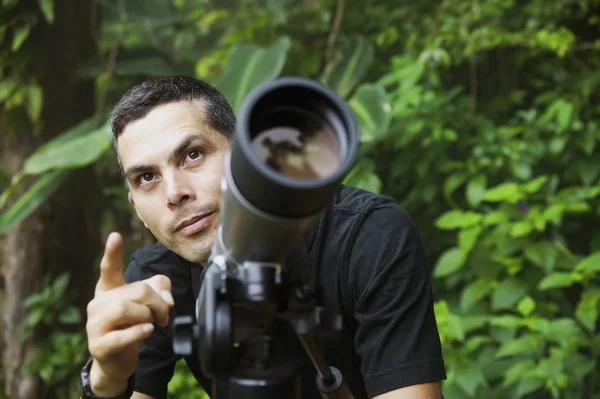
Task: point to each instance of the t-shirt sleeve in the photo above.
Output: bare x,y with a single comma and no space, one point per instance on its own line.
157,361
397,338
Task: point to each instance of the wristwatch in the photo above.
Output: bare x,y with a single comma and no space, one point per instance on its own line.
87,387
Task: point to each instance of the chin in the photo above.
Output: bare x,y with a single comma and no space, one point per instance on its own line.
194,251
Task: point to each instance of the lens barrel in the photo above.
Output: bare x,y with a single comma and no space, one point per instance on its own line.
295,142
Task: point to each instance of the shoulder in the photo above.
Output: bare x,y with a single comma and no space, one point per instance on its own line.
150,260
357,200
358,212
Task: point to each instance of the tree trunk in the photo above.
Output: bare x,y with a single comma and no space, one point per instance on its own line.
62,234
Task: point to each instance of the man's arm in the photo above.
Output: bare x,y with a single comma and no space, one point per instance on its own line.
137,395
430,390
397,338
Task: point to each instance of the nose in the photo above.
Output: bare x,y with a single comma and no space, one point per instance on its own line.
179,190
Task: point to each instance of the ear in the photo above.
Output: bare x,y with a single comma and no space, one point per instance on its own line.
130,198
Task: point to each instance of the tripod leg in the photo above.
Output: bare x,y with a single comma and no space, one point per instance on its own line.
329,380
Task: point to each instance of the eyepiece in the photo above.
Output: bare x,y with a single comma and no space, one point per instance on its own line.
295,142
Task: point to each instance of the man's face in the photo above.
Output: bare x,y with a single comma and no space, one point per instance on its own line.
173,162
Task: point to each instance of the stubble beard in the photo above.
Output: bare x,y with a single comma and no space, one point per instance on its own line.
197,249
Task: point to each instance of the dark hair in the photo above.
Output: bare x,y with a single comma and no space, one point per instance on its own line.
139,100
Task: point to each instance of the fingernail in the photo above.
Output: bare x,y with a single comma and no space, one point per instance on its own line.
147,327
166,295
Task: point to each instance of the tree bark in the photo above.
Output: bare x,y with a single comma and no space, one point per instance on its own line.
62,235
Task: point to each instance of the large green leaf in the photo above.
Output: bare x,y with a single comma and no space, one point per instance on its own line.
249,66
74,153
449,262
350,66
373,111
32,199
363,176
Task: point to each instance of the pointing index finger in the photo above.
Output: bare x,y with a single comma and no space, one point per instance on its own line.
111,266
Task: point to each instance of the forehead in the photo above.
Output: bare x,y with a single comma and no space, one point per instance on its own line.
154,136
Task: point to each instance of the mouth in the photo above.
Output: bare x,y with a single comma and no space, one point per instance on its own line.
194,224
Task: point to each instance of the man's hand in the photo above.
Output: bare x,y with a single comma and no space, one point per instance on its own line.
119,318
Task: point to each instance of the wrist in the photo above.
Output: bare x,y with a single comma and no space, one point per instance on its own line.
104,386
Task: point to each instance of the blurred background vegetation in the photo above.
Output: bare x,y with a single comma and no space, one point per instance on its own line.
481,118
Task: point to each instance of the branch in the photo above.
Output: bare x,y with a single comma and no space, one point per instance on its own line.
333,35
473,85
438,17
473,76
112,58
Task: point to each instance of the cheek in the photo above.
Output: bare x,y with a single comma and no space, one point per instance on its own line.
209,178
147,206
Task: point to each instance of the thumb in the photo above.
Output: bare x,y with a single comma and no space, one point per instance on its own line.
111,266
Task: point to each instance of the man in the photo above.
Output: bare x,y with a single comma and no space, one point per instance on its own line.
364,255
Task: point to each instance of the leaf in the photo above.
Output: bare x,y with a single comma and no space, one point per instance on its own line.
468,237
34,102
558,280
373,111
590,264
587,308
517,371
494,217
529,384
469,377
524,344
475,292
60,284
453,182
352,64
510,322
70,315
74,153
587,141
455,219
534,185
508,192
20,36
507,293
557,145
450,261
363,176
47,9
46,185
520,229
7,86
475,190
542,254
564,330
526,306
249,66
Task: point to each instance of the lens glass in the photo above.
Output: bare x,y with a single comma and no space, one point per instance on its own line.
297,144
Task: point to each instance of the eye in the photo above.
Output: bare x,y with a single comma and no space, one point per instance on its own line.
146,178
194,155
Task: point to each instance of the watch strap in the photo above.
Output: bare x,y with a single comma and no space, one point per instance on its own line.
86,385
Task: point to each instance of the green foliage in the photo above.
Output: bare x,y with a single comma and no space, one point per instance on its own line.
184,385
50,165
503,181
249,66
479,117
62,353
20,97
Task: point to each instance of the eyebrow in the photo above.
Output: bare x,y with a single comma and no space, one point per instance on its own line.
173,157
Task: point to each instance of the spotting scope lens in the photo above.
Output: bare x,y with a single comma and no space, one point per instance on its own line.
296,143
296,140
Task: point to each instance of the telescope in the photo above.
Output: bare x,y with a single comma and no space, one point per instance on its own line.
295,142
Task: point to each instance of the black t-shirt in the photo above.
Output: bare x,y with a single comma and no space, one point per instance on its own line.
365,258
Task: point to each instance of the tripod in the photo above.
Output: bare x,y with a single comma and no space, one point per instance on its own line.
234,310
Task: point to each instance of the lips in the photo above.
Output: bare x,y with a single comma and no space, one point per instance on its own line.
194,225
